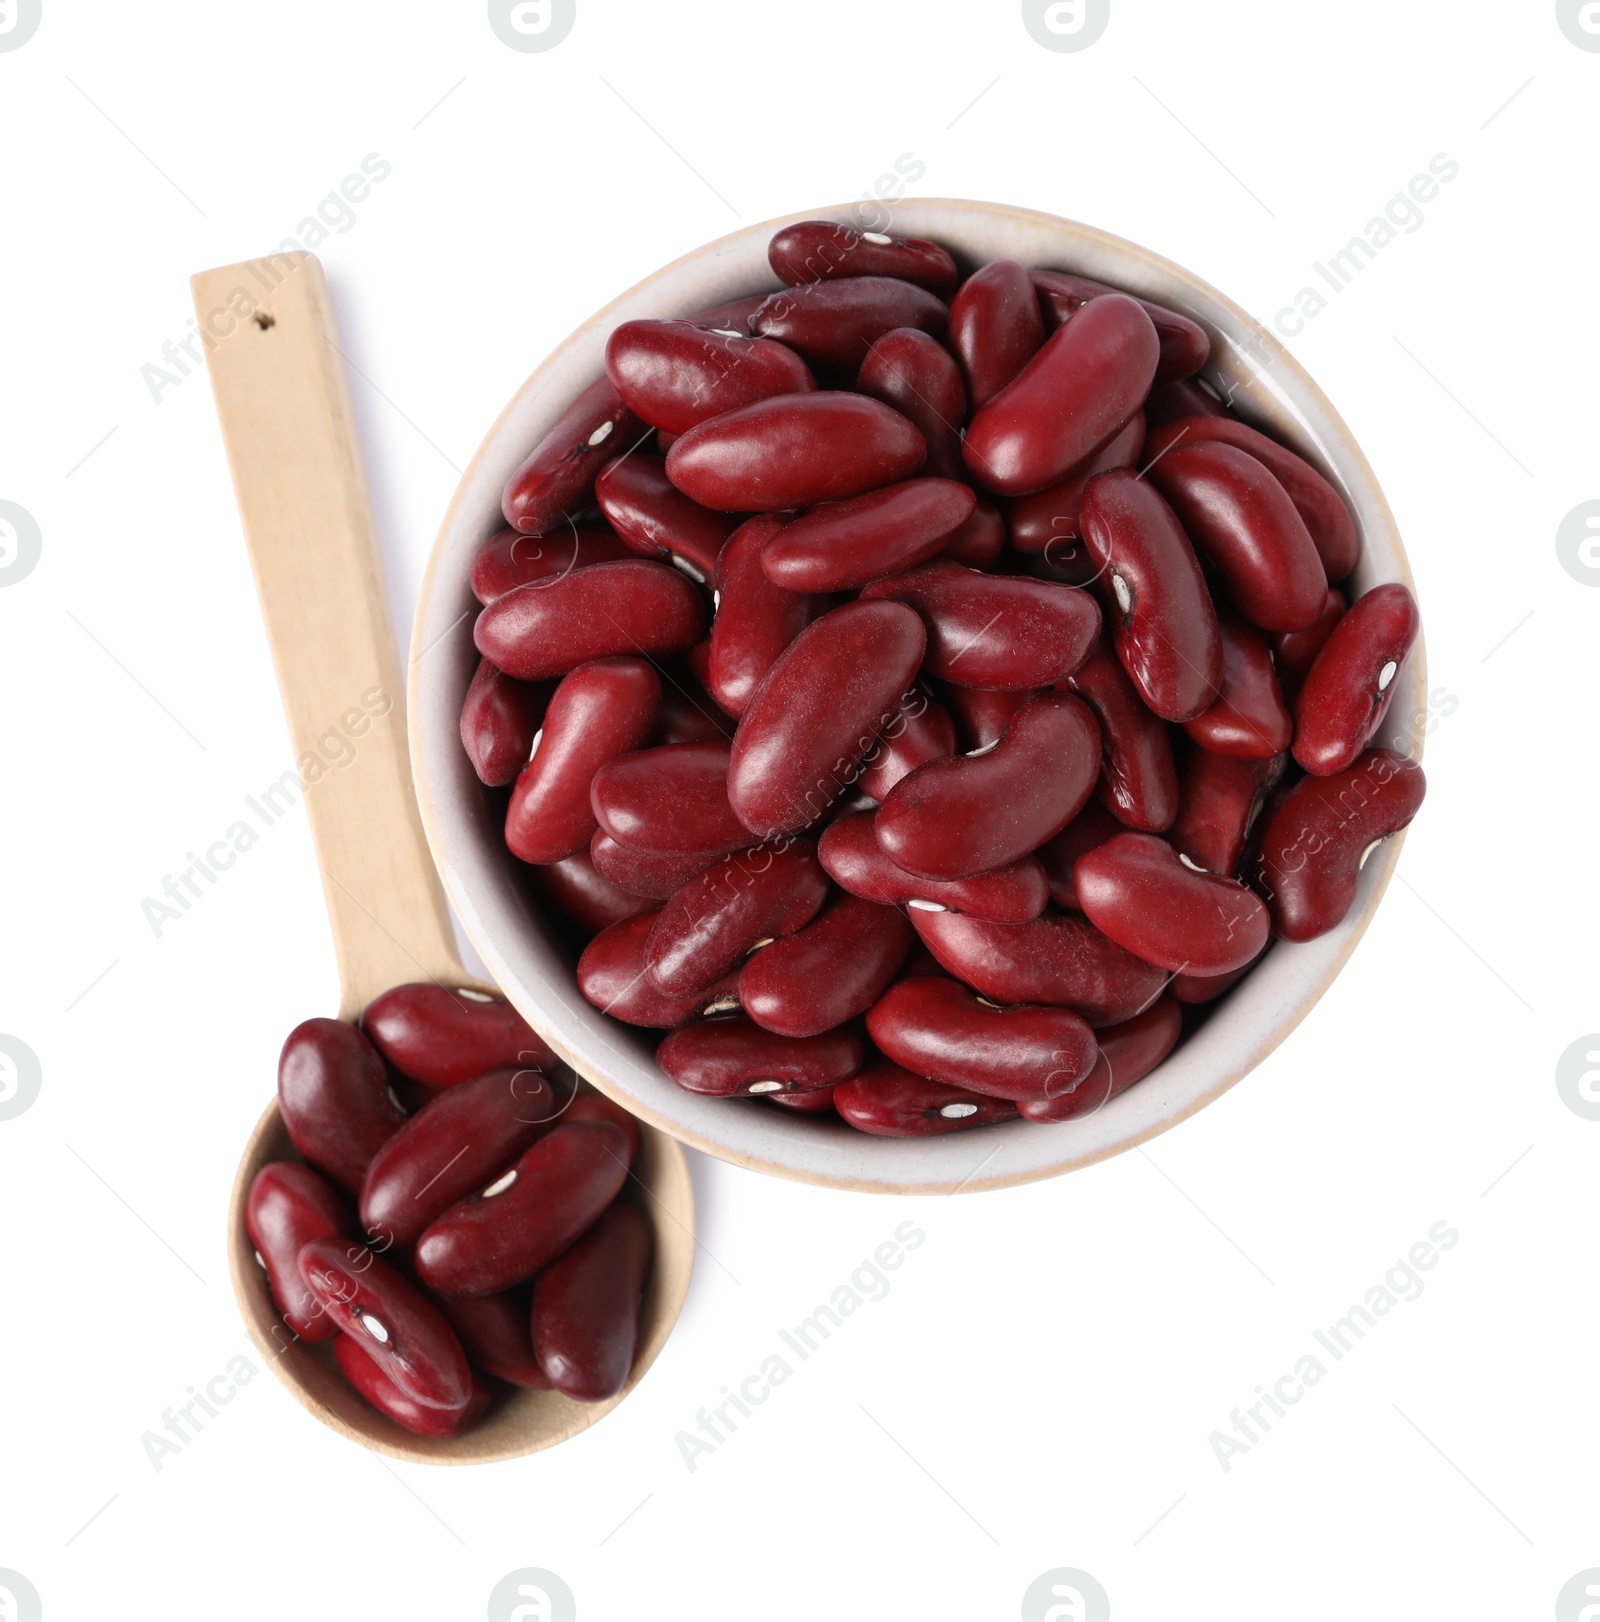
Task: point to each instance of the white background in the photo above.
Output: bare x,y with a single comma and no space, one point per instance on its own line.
1041,1384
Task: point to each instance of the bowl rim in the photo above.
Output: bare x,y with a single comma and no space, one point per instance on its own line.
1292,405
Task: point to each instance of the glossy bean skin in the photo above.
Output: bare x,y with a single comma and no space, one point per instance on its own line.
1185,347
920,731
1138,777
383,1394
492,1241
1294,652
980,541
844,544
556,480
1050,520
734,316
459,1142
721,1058
1092,826
1001,631
586,1307
419,1352
995,327
794,451
499,718
856,862
917,376
939,1029
603,709
550,627
1058,960
592,1106
1319,836
496,1332
676,374
689,714
1347,691
288,1206
1193,989
891,1102
834,323
513,559
672,799
981,716
613,975
1158,607
756,620
1080,389
1170,401
442,1037
817,250
1333,530
576,889
709,925
1128,1053
656,520
818,1103
1219,799
1234,510
1135,889
1249,716
818,711
334,1094
940,821
655,874
827,973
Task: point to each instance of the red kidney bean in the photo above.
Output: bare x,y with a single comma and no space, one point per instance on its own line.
1057,960
734,316
1092,826
586,1307
497,1334
828,972
1347,692
499,718
557,478
818,1103
362,1371
1249,716
457,1143
1073,396
334,1094
441,1037
921,730
843,544
676,374
1136,889
980,541
995,327
1235,511
715,920
590,1106
1294,652
918,377
1181,397
817,250
1138,779
756,620
549,628
652,873
1128,1053
1049,522
940,1029
720,1058
655,518
1332,528
794,451
584,896
981,716
612,974
398,1327
834,323
856,862
988,630
1204,988
1162,623
1220,797
513,559
288,1206
890,1102
939,821
602,710
1319,838
689,714
526,1218
1185,347
818,711
672,799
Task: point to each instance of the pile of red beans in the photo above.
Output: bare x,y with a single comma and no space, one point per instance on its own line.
482,1235
931,689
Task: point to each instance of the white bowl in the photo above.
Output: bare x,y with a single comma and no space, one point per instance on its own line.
463,820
